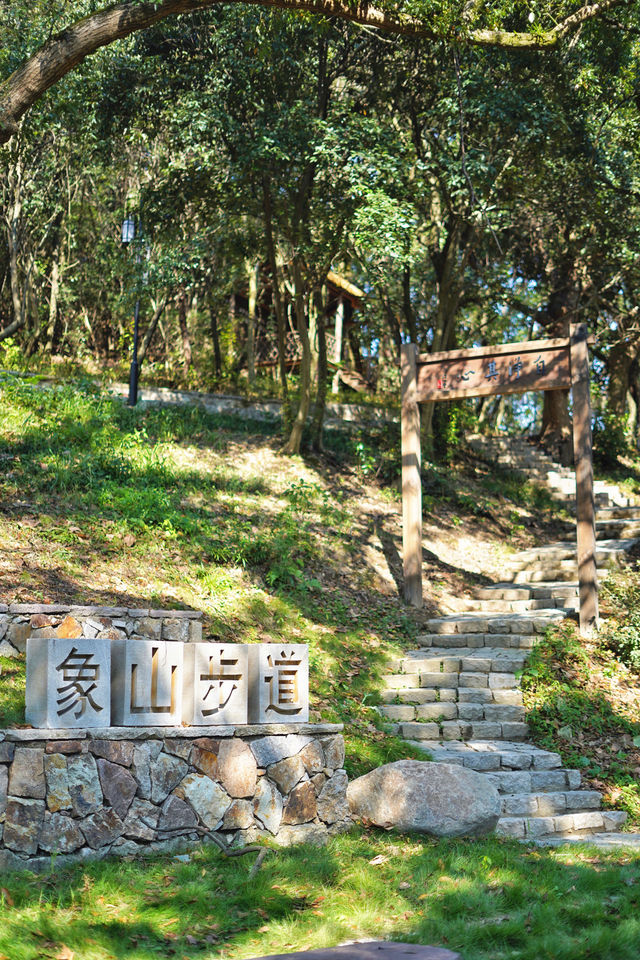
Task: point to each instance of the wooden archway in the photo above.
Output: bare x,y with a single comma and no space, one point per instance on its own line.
507,368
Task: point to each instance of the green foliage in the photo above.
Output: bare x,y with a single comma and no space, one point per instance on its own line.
621,595
610,440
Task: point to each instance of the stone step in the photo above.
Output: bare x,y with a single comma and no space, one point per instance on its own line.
523,641
603,841
563,825
495,623
470,679
494,755
557,780
462,730
452,710
507,591
463,660
554,553
617,513
543,573
618,529
514,606
549,804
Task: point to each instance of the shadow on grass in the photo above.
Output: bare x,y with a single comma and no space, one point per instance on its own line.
487,899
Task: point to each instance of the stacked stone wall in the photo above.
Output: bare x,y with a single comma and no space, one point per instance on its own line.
79,794
19,621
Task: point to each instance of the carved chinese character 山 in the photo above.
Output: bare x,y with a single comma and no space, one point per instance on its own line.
146,685
68,682
216,683
278,683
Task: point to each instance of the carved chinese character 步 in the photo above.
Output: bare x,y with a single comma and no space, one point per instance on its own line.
216,683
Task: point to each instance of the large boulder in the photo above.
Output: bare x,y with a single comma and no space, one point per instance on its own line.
435,798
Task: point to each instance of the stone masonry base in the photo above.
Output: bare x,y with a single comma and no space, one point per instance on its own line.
83,794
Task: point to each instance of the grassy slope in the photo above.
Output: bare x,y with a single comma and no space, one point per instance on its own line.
102,504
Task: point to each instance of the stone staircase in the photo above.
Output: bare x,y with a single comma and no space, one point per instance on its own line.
458,695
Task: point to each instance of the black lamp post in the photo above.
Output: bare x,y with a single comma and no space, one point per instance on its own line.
128,236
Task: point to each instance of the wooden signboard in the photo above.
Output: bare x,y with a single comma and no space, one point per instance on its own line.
511,368
508,368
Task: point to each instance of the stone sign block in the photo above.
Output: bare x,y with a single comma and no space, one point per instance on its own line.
278,683
216,683
68,682
147,680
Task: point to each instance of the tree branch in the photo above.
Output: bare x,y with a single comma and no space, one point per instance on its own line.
63,52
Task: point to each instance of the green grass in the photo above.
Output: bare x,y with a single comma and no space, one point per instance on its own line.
136,507
488,899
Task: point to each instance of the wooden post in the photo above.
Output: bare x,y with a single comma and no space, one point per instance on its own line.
411,482
583,459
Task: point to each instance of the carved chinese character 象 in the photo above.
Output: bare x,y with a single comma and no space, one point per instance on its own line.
79,680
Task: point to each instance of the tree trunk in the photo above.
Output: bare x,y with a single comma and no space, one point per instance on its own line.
323,372
184,333
253,270
339,329
293,444
278,304
153,323
620,361
215,336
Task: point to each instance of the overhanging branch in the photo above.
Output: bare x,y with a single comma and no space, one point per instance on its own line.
66,50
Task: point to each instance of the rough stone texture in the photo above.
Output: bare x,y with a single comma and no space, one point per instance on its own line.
314,833
440,799
27,773
333,752
267,806
84,784
268,750
23,823
332,799
67,747
4,782
60,834
166,773
118,786
313,757
102,828
144,755
175,630
93,804
239,816
116,751
287,773
69,628
178,748
142,820
55,771
149,628
176,815
8,650
17,635
209,801
301,805
237,768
